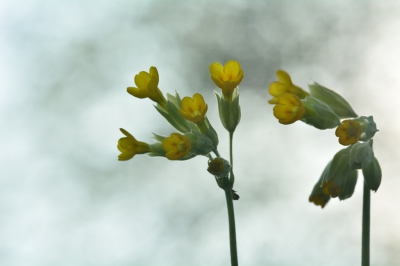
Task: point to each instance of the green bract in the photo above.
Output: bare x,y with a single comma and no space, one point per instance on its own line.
373,175
319,114
229,111
172,115
336,102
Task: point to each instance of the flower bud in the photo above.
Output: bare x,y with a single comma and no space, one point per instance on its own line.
372,175
219,167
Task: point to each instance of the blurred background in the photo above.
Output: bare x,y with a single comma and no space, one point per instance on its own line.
65,199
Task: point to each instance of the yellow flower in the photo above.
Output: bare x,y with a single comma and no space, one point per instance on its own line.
147,87
227,77
319,199
329,188
349,132
193,109
129,146
289,109
177,146
284,84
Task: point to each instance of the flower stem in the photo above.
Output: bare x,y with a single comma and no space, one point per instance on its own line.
365,226
232,229
232,177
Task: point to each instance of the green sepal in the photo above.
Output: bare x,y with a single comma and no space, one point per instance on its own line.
350,185
211,133
373,175
318,114
157,150
368,126
317,193
229,111
339,169
336,102
361,155
201,144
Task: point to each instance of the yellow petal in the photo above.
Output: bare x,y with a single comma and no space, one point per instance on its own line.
232,69
284,77
276,88
142,80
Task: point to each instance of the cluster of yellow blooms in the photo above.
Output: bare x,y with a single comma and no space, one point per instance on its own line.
324,109
195,134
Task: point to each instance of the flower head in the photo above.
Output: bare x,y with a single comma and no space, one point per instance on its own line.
193,109
147,86
289,108
349,132
227,77
177,146
284,84
129,146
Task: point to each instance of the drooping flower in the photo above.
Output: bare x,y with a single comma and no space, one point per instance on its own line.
129,146
147,87
227,77
176,146
289,108
349,132
194,109
284,85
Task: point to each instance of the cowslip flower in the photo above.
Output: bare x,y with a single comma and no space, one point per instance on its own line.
349,132
227,77
176,146
289,108
193,109
129,146
147,87
284,84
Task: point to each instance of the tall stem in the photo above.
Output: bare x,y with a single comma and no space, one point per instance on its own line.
232,177
232,227
365,226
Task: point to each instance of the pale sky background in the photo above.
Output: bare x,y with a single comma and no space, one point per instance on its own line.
64,69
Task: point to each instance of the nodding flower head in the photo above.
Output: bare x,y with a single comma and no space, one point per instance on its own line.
349,132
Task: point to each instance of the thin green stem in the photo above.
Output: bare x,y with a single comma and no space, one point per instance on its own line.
232,177
366,214
232,227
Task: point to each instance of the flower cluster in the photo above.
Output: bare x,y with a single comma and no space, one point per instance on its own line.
195,135
326,109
